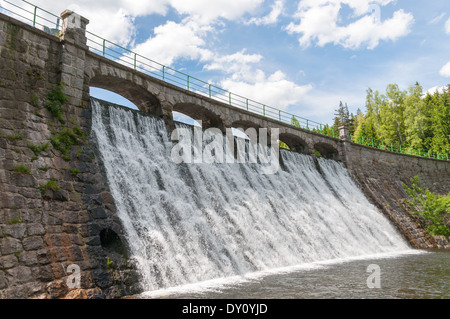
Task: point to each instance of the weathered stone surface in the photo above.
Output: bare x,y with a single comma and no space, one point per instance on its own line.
77,294
33,243
57,289
15,231
10,246
9,261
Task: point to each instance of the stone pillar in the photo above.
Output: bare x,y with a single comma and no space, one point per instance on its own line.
74,28
73,56
344,134
344,147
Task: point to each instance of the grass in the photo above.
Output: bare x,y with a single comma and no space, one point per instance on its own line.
34,100
22,169
50,185
15,137
37,149
109,264
15,220
74,172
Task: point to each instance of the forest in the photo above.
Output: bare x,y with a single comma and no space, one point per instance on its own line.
408,121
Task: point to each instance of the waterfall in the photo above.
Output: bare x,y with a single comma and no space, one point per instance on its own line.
187,223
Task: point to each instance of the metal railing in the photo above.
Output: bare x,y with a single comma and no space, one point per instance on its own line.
49,22
33,15
399,148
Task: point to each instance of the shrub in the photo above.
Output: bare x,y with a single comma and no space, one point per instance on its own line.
65,139
433,208
55,100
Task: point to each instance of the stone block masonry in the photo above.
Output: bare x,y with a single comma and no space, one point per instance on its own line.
53,206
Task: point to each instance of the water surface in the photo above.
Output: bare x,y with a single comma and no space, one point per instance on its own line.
413,275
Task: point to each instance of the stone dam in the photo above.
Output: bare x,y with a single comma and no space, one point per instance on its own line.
59,206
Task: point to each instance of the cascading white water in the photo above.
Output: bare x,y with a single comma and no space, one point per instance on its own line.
187,223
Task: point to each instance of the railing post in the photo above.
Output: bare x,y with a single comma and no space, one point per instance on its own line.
188,82
279,115
229,97
246,102
163,72
34,16
264,109
135,61
104,47
210,91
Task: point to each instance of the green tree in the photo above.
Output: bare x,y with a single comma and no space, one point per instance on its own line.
294,121
342,116
417,119
440,121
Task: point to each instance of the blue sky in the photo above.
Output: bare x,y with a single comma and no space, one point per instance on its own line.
302,56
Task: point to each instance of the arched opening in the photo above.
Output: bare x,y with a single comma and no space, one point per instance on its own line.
184,118
245,125
295,143
112,97
326,150
245,130
198,113
140,97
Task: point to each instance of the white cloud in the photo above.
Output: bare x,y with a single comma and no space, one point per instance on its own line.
206,10
434,89
238,63
438,18
272,17
319,22
447,26
177,40
275,90
246,79
445,70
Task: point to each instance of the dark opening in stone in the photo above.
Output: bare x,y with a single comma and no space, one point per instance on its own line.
111,242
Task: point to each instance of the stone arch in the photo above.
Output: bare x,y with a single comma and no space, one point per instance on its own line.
142,98
249,130
245,125
327,150
295,143
199,113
